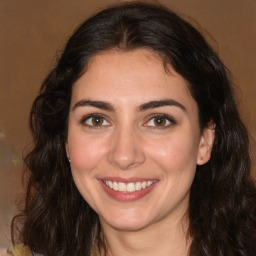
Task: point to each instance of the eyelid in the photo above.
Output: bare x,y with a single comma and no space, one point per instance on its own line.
157,115
87,117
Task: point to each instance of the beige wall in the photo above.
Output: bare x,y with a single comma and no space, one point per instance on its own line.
32,31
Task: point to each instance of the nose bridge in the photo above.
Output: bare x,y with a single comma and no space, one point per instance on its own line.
125,150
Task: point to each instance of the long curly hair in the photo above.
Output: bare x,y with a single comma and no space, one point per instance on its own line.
56,220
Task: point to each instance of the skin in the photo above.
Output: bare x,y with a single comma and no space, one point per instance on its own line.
128,143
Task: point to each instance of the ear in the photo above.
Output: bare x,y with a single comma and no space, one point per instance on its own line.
67,149
206,144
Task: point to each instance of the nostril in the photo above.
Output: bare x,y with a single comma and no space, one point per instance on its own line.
125,152
126,161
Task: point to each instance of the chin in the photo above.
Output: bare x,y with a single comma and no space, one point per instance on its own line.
125,223
131,226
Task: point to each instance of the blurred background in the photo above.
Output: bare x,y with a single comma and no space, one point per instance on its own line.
33,32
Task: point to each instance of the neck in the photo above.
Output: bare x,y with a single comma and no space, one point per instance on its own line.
159,239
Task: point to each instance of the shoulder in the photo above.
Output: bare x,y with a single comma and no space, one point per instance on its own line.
19,250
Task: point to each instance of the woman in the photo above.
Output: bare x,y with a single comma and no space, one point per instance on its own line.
137,145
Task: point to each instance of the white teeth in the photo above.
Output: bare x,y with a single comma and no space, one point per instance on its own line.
129,187
115,186
122,187
149,183
110,184
138,185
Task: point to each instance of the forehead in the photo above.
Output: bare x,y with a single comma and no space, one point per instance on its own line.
128,64
127,76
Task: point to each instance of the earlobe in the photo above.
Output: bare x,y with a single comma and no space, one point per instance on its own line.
206,144
67,150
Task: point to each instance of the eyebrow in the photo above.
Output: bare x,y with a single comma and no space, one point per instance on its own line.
161,103
145,106
97,104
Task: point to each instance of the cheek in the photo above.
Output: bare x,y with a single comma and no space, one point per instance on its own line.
176,154
85,153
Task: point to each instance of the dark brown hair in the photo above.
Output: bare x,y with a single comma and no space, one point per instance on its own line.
222,208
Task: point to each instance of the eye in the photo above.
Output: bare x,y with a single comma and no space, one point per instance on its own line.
160,120
95,120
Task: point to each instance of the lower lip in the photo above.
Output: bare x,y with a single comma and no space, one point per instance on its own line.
127,197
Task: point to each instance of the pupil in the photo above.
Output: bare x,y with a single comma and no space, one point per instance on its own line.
160,121
97,121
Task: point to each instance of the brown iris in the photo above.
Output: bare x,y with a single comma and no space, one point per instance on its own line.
97,121
160,121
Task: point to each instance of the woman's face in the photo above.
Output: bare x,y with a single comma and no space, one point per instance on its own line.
134,140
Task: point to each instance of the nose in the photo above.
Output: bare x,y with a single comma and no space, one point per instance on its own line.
125,150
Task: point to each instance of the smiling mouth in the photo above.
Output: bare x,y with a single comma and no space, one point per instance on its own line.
128,187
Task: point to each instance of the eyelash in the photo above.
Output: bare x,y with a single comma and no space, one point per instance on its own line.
160,116
150,119
100,116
